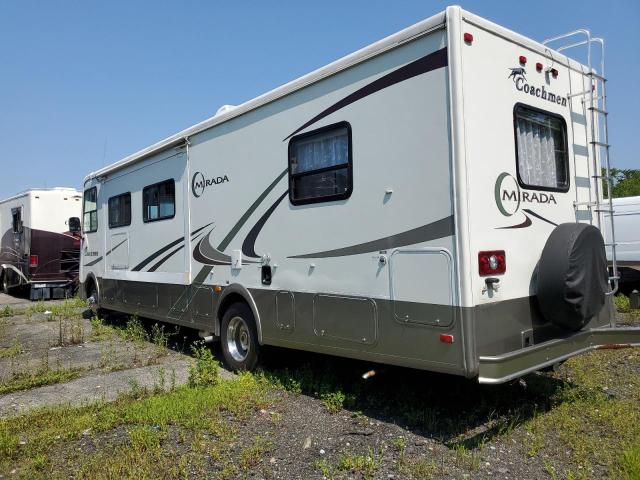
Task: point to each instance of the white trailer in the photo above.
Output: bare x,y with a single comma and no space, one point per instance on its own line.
426,201
626,219
40,242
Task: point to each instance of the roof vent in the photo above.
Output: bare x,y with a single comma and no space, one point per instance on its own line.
224,109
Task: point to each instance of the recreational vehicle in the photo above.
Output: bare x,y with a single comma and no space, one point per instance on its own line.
626,219
428,201
40,246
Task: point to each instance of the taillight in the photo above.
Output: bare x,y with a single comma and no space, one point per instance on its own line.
492,262
33,260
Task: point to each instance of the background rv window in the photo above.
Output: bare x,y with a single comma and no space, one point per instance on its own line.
90,209
159,201
541,149
320,165
120,210
16,219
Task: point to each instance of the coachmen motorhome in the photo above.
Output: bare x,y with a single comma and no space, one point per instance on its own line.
40,246
429,201
626,219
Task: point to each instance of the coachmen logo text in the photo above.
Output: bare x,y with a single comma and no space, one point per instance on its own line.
509,197
521,84
199,183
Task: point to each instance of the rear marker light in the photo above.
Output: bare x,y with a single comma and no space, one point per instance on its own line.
492,262
539,66
522,59
554,72
468,37
446,338
33,260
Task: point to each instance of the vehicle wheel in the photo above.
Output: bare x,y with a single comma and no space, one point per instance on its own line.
239,338
5,283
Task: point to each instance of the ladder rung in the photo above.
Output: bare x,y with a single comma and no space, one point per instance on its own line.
579,94
614,278
606,210
599,110
611,244
595,75
601,144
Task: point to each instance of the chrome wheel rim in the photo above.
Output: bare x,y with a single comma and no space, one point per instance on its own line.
238,336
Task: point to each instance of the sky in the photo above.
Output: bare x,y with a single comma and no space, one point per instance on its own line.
86,83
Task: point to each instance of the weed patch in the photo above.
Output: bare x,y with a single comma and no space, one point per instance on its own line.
13,350
205,370
44,376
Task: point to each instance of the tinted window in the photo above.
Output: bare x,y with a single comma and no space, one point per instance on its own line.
120,210
541,142
159,201
320,165
90,209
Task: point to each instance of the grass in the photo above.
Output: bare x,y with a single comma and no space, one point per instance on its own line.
595,416
50,438
24,380
6,312
205,370
623,305
13,350
363,466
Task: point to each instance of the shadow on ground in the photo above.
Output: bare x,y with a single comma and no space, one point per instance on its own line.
453,410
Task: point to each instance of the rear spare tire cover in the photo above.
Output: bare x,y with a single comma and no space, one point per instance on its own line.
572,275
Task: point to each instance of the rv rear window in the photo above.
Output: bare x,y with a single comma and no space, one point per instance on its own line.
159,201
541,149
90,209
320,165
120,210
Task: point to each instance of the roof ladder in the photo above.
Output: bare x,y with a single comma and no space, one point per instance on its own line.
597,107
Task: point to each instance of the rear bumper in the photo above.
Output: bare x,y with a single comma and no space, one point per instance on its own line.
502,368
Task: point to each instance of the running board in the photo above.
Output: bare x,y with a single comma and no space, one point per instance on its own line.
503,368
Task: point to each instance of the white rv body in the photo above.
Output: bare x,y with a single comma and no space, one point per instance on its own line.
626,218
38,250
385,268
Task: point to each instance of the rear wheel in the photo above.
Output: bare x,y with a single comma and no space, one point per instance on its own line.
5,282
239,337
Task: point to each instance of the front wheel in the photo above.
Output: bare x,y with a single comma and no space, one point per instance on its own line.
239,338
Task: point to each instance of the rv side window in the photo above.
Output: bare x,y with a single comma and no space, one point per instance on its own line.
320,165
541,149
90,209
159,201
120,210
16,214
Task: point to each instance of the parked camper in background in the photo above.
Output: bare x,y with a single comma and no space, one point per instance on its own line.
40,246
626,219
424,202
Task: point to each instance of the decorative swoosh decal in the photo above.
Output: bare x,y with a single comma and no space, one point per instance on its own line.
156,254
92,263
433,61
249,244
205,253
432,231
165,258
527,223
531,212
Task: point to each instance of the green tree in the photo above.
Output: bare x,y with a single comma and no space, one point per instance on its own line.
626,182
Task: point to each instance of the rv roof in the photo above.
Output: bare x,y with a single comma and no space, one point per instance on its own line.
34,190
410,33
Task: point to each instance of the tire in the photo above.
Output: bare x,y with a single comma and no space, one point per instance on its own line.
239,338
572,278
5,283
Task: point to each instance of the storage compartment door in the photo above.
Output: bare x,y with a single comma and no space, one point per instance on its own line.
422,286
